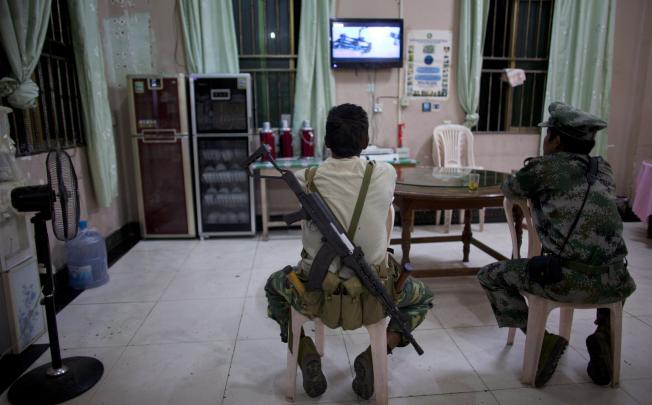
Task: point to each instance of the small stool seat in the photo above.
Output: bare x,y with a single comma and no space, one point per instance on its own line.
538,310
377,339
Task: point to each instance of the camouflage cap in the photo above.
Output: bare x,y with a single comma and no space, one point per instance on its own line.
573,122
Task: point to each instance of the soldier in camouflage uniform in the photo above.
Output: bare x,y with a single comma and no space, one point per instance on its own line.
338,181
593,259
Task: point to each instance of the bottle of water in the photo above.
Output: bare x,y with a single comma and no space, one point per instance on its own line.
86,259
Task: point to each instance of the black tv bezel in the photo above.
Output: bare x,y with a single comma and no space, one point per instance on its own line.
366,63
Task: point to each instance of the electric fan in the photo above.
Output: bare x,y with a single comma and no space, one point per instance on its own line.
62,379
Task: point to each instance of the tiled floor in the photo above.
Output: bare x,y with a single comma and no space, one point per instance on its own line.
183,322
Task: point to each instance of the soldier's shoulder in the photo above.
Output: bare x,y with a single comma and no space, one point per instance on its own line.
384,169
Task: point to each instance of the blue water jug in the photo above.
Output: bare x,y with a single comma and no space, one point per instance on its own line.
86,259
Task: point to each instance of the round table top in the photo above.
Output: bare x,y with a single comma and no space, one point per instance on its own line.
447,182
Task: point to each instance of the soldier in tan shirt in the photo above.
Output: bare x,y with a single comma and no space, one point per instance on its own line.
339,181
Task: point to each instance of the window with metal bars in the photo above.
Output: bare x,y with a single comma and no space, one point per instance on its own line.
517,36
56,122
267,47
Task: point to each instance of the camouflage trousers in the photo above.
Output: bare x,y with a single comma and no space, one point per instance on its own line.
504,281
414,301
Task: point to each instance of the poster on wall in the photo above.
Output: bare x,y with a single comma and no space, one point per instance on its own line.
429,54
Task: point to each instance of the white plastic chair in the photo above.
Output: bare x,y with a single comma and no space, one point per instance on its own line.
377,340
452,146
539,307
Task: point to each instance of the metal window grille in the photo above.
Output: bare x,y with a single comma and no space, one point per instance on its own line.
267,50
56,122
517,36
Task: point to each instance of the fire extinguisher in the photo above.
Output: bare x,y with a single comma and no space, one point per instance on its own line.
307,140
267,138
286,140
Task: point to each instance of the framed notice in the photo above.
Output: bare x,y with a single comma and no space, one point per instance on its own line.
429,54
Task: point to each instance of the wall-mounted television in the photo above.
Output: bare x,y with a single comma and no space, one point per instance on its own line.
366,43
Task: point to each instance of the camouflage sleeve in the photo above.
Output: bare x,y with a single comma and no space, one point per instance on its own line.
606,177
525,183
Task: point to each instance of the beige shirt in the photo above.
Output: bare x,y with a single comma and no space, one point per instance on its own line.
339,182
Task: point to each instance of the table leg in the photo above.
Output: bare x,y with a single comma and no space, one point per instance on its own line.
407,219
467,235
264,209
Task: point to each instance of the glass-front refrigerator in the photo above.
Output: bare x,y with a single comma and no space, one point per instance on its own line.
161,147
221,117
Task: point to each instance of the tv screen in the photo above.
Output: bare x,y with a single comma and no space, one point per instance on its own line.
366,43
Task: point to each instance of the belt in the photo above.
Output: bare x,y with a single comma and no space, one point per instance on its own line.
579,266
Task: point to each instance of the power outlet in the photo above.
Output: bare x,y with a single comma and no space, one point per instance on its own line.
378,108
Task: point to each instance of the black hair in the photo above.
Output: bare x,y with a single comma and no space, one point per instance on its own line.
571,145
347,130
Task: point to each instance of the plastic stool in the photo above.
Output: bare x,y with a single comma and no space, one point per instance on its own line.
377,339
538,311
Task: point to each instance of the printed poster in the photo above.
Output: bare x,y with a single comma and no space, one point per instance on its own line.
429,54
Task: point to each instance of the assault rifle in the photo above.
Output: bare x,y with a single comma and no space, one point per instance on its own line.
336,244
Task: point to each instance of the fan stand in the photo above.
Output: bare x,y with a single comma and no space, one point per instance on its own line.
59,380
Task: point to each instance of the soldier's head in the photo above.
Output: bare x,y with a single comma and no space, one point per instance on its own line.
347,130
570,130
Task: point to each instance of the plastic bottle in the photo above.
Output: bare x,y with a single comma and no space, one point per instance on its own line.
86,259
267,138
286,140
307,140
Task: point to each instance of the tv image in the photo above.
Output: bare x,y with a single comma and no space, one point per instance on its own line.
366,43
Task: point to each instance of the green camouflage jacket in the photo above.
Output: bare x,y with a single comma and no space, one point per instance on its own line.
556,185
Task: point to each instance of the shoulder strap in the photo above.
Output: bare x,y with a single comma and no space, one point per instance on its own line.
310,177
357,211
591,177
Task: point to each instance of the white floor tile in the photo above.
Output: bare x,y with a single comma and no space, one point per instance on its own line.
441,369
128,287
216,254
472,398
460,302
255,323
216,283
99,325
170,374
258,373
142,261
259,276
565,394
640,390
191,321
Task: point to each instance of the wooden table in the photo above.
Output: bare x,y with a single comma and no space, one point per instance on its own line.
266,169
428,188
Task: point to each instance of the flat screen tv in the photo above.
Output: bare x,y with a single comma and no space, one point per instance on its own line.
366,43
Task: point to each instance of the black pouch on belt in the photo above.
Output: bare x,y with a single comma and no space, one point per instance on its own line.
545,269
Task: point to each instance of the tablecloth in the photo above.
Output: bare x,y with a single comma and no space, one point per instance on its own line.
643,199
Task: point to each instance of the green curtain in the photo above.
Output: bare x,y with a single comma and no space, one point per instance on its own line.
473,23
23,25
89,60
209,36
314,91
581,51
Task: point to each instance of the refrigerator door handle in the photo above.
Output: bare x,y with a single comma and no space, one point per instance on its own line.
160,136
